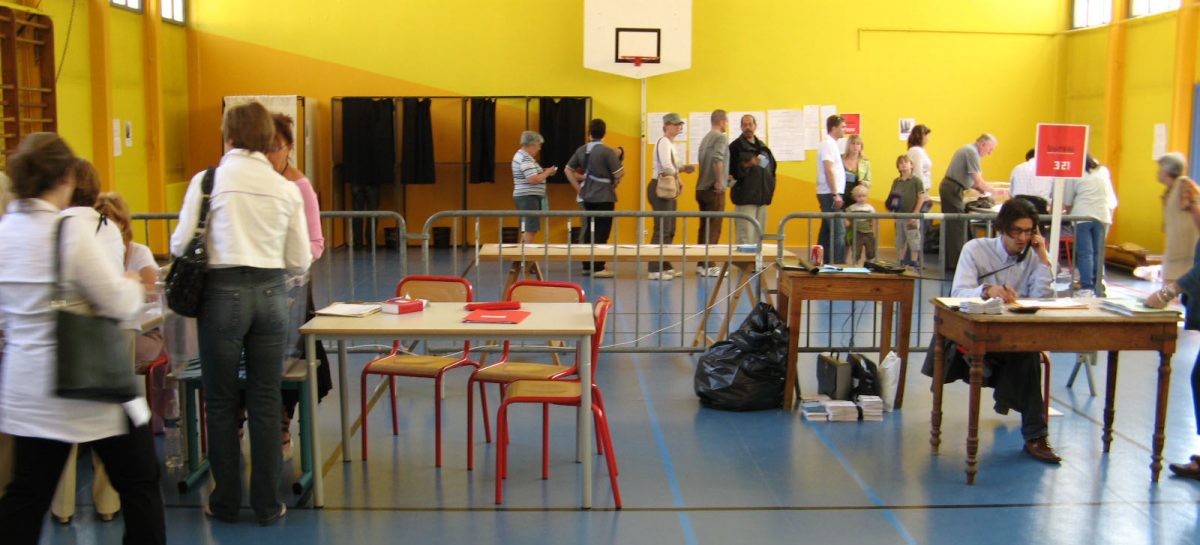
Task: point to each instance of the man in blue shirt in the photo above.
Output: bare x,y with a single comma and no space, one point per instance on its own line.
1002,267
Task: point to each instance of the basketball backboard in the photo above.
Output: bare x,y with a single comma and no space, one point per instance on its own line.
637,39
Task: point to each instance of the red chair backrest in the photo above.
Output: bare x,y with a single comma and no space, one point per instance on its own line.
437,289
544,291
600,313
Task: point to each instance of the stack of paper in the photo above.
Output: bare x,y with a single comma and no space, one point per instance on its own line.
994,305
841,411
1132,307
350,310
814,410
872,408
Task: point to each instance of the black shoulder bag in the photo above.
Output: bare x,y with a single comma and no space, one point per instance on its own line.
185,282
95,357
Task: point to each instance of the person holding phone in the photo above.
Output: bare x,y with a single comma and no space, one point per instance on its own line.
1002,267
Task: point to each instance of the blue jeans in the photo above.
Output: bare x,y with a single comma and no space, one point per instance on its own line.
835,241
244,311
1089,253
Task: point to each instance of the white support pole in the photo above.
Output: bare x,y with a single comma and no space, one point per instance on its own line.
641,223
1055,224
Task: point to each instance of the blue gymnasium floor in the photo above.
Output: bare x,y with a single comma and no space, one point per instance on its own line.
696,476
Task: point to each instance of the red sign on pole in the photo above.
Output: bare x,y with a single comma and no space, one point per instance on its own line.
1061,150
853,124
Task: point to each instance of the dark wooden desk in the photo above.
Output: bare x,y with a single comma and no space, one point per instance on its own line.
888,289
1050,330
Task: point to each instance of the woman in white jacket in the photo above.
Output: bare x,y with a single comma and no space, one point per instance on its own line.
256,232
44,425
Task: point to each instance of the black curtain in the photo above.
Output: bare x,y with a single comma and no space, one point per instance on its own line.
563,123
368,141
416,154
483,140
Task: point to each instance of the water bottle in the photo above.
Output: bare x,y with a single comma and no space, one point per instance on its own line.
172,442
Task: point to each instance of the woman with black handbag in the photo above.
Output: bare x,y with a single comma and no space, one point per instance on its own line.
255,233
44,259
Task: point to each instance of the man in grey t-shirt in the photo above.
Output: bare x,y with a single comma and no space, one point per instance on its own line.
710,186
594,171
965,172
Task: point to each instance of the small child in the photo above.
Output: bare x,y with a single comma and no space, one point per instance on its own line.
907,195
860,233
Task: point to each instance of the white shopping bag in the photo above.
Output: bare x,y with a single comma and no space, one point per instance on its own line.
889,379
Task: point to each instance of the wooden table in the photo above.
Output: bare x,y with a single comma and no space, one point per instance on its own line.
443,322
795,287
1080,330
743,262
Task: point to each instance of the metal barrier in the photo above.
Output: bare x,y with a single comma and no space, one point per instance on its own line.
341,259
929,272
667,322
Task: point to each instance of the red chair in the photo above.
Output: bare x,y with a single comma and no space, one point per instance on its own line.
559,392
504,372
441,289
159,362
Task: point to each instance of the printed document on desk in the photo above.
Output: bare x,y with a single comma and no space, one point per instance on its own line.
1067,303
350,310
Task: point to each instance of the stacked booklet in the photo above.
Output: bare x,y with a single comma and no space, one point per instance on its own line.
994,305
841,411
871,407
813,407
1132,307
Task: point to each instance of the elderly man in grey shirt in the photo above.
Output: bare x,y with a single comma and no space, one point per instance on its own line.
1001,267
965,172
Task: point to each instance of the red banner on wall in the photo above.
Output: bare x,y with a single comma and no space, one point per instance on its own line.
853,123
1061,150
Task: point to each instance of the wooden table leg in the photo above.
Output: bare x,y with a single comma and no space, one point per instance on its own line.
791,314
903,335
737,298
1110,399
935,415
977,359
1160,413
702,329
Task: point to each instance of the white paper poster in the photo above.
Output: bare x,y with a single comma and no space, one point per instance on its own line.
735,125
906,127
681,149
117,138
787,133
698,125
1160,140
812,131
654,125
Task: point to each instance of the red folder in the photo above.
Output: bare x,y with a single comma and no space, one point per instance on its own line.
495,317
495,305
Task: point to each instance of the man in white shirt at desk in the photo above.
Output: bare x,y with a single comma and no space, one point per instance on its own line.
1002,267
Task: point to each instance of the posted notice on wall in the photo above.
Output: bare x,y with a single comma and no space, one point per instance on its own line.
1061,150
654,124
812,127
907,124
786,134
853,124
1159,148
698,125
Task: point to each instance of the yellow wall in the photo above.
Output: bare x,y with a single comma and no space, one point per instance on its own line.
805,53
128,48
1149,65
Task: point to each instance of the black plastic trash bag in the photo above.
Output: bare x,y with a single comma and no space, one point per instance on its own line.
746,372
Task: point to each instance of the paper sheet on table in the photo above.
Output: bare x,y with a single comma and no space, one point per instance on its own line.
786,134
350,310
1050,303
851,270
